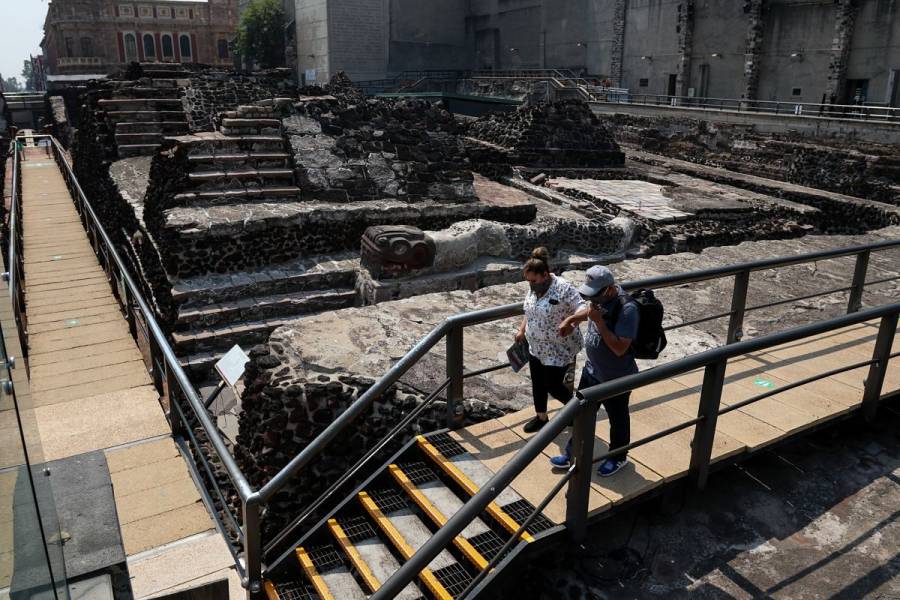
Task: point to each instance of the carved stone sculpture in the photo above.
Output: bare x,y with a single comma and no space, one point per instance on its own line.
392,250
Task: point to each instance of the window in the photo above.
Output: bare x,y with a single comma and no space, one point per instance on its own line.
70,47
181,13
796,92
131,53
184,43
643,83
163,12
149,46
87,46
223,48
168,49
126,11
146,12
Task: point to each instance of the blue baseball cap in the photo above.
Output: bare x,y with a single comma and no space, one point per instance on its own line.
597,279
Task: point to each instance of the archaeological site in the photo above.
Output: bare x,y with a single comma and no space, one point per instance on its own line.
296,299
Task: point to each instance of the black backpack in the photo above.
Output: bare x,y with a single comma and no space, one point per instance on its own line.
651,338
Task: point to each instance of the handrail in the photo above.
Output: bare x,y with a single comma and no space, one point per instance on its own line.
15,271
535,446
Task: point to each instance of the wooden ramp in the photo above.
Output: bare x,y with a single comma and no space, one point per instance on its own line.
91,391
668,403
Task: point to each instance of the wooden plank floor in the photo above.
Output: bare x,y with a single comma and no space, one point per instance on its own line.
674,401
91,390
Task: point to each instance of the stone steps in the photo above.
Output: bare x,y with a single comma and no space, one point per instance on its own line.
220,339
145,116
250,126
245,159
142,138
259,308
149,92
243,175
131,150
315,273
166,127
264,194
221,144
141,103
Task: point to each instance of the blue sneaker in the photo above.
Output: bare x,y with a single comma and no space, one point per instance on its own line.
611,466
563,461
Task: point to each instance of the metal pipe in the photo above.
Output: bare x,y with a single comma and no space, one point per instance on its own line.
798,298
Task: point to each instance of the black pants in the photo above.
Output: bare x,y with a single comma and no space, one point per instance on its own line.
617,411
547,380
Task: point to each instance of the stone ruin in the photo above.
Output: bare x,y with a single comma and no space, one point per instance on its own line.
242,204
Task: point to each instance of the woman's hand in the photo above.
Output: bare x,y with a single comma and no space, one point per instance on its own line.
520,336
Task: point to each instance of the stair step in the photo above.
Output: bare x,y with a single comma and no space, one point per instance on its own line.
246,159
246,173
264,307
437,500
294,590
372,558
325,569
470,474
302,274
231,122
138,138
144,92
130,150
261,194
408,533
145,116
167,127
223,337
159,103
221,144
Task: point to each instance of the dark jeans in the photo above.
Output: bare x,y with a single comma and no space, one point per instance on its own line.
547,380
617,411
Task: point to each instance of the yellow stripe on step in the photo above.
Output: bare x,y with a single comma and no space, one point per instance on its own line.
406,551
353,554
436,516
309,569
467,484
271,592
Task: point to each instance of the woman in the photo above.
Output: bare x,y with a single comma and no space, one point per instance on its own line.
550,300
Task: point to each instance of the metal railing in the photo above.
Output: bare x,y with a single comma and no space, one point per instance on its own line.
857,112
14,261
189,417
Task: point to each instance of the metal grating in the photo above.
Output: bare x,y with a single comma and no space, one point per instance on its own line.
357,529
418,472
296,591
446,445
389,501
325,558
454,578
488,543
521,509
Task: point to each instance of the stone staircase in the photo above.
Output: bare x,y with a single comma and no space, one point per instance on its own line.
375,530
142,114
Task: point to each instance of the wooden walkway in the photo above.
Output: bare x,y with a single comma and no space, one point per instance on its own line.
91,391
668,403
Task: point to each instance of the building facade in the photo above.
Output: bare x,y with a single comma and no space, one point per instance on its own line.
841,51
103,36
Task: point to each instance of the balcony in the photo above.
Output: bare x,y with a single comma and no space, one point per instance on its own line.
79,61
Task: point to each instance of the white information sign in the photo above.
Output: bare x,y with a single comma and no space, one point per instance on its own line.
231,366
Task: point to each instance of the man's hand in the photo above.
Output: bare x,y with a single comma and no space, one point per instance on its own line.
595,314
566,327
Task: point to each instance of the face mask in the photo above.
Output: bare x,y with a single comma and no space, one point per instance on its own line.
540,288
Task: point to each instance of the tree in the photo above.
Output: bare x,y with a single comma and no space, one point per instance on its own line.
28,73
261,33
10,84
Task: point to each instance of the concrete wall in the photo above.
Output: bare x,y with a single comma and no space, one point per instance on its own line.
718,29
312,38
358,42
427,35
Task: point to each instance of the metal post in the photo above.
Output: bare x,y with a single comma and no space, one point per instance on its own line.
126,304
252,547
705,431
579,490
738,303
179,428
859,282
455,374
157,360
877,370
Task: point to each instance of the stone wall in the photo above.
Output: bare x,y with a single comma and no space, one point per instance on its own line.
558,134
348,148
215,92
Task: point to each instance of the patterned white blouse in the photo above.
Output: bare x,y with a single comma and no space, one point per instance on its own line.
542,319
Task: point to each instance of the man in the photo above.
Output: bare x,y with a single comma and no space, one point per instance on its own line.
612,326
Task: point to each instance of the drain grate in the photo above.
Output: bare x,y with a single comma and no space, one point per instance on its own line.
418,472
389,501
325,558
357,529
446,445
296,591
454,578
488,544
521,509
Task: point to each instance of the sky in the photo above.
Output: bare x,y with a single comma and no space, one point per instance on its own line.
21,30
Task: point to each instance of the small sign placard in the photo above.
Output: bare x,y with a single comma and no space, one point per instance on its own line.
231,366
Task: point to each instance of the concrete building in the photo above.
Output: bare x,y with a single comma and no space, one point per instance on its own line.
795,50
101,36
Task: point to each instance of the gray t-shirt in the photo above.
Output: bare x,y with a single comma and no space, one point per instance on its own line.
602,363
